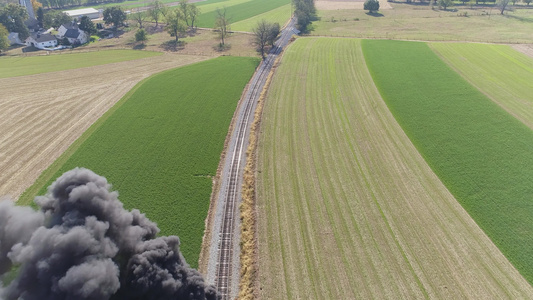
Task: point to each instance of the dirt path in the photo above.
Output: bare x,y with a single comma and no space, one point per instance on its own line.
43,114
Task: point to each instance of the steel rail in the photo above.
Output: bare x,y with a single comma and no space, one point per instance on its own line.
226,240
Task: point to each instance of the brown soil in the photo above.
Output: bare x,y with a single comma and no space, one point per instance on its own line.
43,114
527,49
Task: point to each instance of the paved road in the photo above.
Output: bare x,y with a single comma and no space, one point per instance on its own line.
223,265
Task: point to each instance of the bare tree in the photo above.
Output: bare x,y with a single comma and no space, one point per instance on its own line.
503,4
139,17
265,34
184,7
175,23
156,10
194,11
222,24
261,32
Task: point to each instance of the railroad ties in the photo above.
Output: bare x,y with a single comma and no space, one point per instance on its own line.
226,241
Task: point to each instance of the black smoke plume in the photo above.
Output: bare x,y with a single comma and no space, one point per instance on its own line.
82,244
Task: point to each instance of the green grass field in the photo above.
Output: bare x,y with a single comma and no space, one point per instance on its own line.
278,15
237,12
418,22
161,147
501,72
347,208
20,66
481,153
127,5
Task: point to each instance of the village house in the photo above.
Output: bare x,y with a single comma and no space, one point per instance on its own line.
72,32
42,41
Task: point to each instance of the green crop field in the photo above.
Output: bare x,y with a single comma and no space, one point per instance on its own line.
20,66
279,15
237,12
481,153
501,72
161,147
347,208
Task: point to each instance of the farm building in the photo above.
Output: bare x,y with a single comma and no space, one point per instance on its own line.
73,33
41,41
89,12
65,27
76,36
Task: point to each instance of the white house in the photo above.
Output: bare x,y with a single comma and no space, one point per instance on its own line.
76,36
13,38
89,12
72,33
63,29
42,41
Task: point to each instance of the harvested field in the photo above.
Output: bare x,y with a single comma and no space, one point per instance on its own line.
59,61
479,151
42,115
161,146
347,4
507,79
419,22
347,207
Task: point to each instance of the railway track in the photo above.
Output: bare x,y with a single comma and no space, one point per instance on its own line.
226,274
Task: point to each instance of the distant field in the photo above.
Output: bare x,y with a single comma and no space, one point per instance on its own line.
481,153
507,79
347,207
279,15
161,147
238,12
419,22
20,66
126,5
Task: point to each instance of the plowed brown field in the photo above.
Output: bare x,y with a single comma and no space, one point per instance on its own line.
41,115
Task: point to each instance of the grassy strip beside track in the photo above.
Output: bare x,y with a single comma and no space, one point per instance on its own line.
238,12
499,71
347,207
481,153
20,66
279,15
161,147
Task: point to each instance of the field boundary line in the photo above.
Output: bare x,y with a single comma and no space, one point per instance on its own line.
26,198
30,193
248,257
467,79
209,221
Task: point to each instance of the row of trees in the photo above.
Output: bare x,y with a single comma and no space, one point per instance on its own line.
305,12
186,13
177,19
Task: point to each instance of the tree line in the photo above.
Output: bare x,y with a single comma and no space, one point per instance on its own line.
305,12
